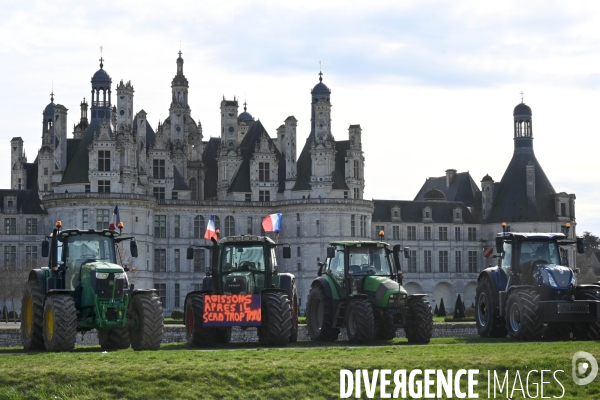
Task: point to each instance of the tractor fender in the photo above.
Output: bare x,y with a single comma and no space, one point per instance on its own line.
496,276
287,282
517,287
207,283
140,291
327,287
39,275
412,297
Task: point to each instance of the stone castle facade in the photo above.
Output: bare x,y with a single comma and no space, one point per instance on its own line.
169,179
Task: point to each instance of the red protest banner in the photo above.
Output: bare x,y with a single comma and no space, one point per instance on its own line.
222,310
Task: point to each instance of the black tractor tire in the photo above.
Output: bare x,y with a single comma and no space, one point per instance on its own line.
196,334
276,321
488,324
556,331
145,310
60,323
223,335
419,310
319,316
32,316
360,322
386,329
587,330
522,315
114,339
294,305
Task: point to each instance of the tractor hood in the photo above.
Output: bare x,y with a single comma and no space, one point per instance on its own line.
103,266
555,276
380,288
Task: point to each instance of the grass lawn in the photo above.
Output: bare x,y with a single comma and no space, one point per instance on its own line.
302,371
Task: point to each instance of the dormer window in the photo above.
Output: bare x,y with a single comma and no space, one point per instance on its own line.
103,160
158,169
10,204
427,214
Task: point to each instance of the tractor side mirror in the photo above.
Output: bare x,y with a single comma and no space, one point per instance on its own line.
406,252
45,248
330,252
320,272
133,248
396,253
287,252
580,246
189,254
499,245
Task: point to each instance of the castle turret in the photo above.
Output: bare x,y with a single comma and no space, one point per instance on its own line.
18,177
101,94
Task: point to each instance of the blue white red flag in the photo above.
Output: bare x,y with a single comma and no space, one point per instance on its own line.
272,223
115,219
211,232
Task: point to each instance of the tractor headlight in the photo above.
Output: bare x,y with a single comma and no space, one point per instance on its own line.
101,275
120,275
393,301
551,281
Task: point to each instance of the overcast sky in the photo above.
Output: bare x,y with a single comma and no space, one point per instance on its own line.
432,84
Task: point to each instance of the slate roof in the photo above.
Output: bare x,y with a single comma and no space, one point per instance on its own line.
339,174
304,166
32,175
28,201
209,158
241,180
511,203
462,188
412,211
179,182
77,169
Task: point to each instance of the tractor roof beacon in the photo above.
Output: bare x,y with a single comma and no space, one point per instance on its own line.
243,268
533,293
83,288
359,286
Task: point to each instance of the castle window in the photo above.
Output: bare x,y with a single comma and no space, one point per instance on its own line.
396,232
199,227
412,261
457,233
177,225
263,172
193,188
264,195
103,186
363,225
563,210
174,195
427,260
198,261
411,233
356,194
356,170
84,219
353,225
229,226
177,295
19,184
472,261
160,226
248,197
427,233
249,225
102,219
159,192
10,256
458,260
443,260
472,234
87,188
45,171
345,194
160,263
103,160
31,255
443,233
158,169
31,226
378,228
10,226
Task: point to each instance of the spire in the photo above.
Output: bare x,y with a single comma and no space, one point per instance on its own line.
101,59
245,104
320,76
52,96
522,97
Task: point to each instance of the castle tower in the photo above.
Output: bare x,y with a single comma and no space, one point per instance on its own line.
179,105
101,94
229,126
355,163
18,177
124,106
487,195
321,111
46,152
83,121
60,142
142,150
245,120
286,138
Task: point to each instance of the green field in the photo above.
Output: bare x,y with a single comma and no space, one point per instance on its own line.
302,371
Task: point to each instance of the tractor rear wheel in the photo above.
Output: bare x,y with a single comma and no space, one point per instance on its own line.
360,322
419,310
294,300
60,323
488,324
276,321
196,333
145,310
587,330
32,316
386,329
319,316
223,335
114,339
522,315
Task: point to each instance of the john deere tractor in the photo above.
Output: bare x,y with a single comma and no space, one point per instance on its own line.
243,287
83,288
360,287
533,293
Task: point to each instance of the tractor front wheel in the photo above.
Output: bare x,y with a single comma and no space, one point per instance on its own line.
522,315
32,316
114,339
60,323
587,330
319,316
196,333
276,321
488,324
421,314
360,323
146,331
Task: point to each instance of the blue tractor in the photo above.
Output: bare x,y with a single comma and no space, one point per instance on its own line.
532,293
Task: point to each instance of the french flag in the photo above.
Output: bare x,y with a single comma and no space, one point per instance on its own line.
272,223
211,232
115,219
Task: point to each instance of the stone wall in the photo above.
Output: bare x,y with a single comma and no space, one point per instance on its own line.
10,335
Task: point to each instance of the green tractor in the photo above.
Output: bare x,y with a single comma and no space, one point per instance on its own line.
359,287
83,288
243,288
